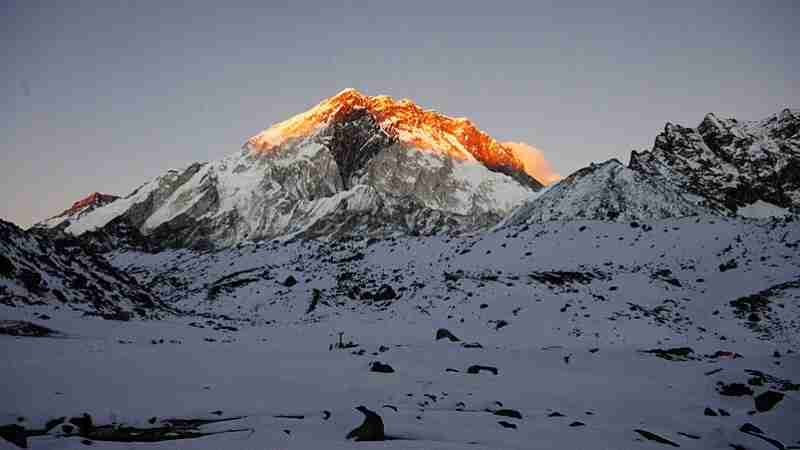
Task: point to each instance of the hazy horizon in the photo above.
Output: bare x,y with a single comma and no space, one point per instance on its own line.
103,97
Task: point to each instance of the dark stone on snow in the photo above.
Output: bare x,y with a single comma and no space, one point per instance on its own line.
385,292
555,414
443,333
477,369
379,367
655,438
370,430
505,424
84,424
710,412
508,413
289,281
15,434
24,328
767,400
690,436
672,354
734,389
577,424
472,345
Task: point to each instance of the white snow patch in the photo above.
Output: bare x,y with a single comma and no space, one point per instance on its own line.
761,209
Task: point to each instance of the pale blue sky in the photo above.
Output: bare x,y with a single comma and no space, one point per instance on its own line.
103,95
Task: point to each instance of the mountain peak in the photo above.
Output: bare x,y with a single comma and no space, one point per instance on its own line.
411,125
93,199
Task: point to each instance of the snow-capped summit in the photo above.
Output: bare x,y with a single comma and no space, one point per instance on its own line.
405,121
732,163
77,210
353,165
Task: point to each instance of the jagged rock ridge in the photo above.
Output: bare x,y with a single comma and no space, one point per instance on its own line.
36,270
723,167
730,163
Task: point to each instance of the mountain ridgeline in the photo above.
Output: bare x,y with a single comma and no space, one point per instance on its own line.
356,166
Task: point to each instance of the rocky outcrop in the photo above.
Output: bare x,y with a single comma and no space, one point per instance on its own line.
37,270
730,163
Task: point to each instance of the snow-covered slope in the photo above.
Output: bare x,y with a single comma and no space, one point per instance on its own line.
732,163
347,167
562,311
35,270
609,191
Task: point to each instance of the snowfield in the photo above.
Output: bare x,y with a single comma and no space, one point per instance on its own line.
562,311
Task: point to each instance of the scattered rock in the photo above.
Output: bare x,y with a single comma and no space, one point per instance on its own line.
385,292
443,333
379,367
84,424
289,281
672,354
734,389
690,436
15,434
710,412
472,345
730,265
555,414
370,430
500,324
767,400
25,329
753,430
508,413
290,416
655,438
577,424
505,424
477,369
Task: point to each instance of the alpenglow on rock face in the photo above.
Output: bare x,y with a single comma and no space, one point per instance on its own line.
353,165
77,210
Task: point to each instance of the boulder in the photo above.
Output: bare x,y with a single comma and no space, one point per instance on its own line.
369,430
443,333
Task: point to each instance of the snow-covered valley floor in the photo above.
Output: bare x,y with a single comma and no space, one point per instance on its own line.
561,311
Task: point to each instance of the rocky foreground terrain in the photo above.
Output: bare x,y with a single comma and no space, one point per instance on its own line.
585,334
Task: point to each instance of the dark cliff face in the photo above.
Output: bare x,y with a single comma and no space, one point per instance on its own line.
729,162
353,139
36,270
